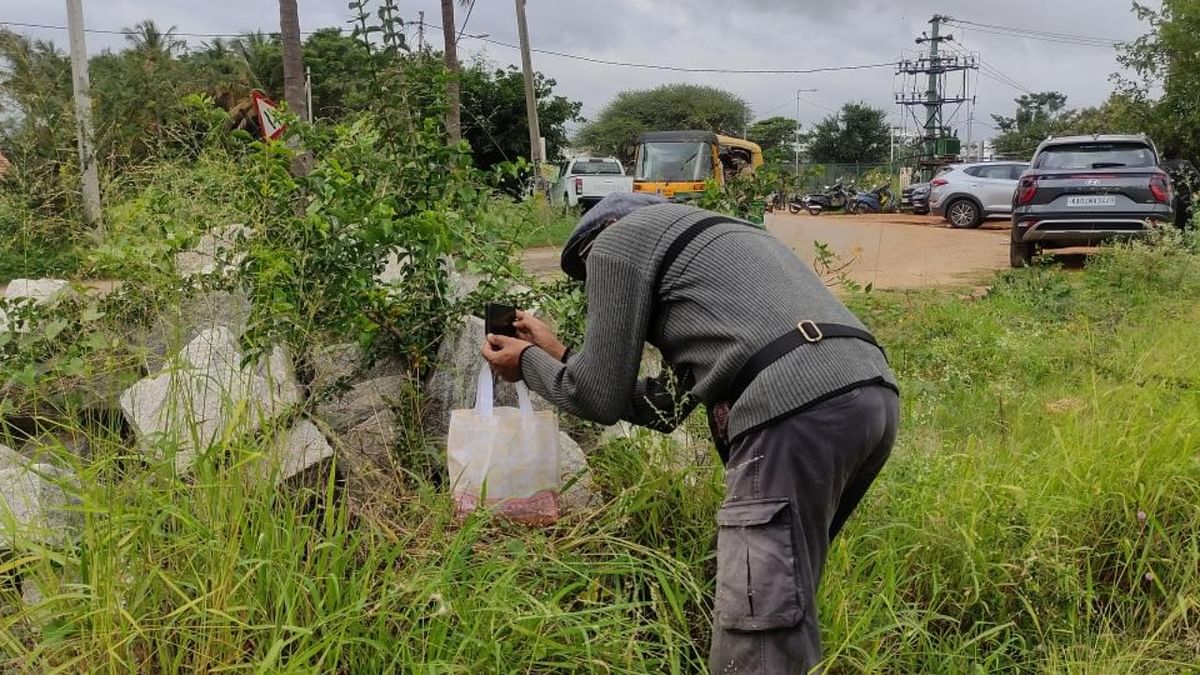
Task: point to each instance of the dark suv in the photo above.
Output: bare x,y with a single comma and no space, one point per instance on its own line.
1085,190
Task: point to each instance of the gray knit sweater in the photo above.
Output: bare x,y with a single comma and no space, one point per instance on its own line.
731,291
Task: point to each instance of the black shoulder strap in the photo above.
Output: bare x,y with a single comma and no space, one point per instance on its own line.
681,243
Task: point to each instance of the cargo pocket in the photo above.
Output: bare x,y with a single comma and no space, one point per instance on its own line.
757,585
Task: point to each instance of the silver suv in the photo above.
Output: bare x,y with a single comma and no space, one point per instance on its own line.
1086,190
965,194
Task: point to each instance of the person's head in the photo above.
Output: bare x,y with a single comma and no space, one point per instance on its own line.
606,212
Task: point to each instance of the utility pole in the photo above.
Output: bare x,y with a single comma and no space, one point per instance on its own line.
797,146
421,32
933,109
937,145
535,132
83,117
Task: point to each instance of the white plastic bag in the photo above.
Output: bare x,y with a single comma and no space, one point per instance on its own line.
504,458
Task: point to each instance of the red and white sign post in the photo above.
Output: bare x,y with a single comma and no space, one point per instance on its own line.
268,116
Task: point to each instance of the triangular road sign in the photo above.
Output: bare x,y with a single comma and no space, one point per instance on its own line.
268,116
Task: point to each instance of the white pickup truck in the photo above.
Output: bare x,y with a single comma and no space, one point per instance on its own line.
583,181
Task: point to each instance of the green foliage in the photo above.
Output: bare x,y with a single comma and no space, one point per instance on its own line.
493,114
670,107
743,196
1167,59
337,62
859,133
1037,116
777,136
320,240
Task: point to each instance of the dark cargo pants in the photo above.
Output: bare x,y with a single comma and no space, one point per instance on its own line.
789,488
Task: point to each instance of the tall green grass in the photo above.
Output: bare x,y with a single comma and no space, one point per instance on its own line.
1040,514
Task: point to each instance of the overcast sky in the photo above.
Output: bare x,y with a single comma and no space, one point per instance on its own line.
745,34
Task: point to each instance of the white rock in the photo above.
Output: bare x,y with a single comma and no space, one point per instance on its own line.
291,453
334,363
395,267
572,464
215,252
41,292
363,400
10,458
204,395
367,446
34,507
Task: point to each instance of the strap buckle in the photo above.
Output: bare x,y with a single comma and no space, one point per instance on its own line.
810,331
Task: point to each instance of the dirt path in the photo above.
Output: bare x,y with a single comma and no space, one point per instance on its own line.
899,251
893,250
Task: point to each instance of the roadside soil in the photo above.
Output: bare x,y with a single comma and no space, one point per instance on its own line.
890,250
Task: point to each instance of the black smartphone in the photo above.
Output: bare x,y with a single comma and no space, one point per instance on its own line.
498,319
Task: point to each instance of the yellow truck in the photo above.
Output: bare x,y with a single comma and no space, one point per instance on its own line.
677,164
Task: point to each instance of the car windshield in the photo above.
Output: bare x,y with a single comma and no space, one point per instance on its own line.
674,161
1095,156
597,167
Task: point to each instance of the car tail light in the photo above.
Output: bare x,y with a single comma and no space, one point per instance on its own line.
938,182
578,186
1160,188
1027,189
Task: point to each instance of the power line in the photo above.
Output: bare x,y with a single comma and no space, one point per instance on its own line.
991,72
463,29
1045,36
548,52
130,31
1014,29
686,69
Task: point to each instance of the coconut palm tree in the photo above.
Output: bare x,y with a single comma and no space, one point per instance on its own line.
453,118
152,42
293,58
262,56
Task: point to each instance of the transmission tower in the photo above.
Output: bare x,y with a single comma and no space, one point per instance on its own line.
946,83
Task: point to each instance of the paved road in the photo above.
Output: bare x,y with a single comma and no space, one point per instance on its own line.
889,250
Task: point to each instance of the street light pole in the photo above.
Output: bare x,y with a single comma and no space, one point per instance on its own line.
797,144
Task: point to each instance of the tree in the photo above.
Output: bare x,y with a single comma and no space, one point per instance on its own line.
495,122
1037,116
1167,57
337,62
152,42
859,133
776,136
263,57
667,108
1120,114
293,58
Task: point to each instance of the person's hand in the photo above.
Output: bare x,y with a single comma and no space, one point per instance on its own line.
531,329
504,355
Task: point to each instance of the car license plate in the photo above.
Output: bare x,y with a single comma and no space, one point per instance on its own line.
1092,200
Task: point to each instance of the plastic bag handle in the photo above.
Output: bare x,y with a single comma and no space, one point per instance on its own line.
484,391
485,394
523,400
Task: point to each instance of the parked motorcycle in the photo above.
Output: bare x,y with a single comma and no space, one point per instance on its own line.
877,200
833,198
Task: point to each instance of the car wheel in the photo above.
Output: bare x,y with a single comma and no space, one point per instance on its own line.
1020,254
963,213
